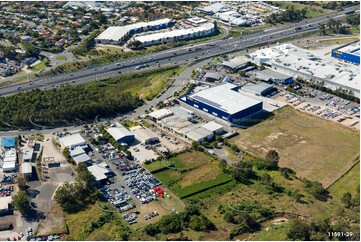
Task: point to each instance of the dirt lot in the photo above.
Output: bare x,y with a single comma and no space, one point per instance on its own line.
50,150
316,149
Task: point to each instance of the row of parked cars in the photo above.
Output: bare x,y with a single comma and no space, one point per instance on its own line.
118,197
6,191
131,218
141,183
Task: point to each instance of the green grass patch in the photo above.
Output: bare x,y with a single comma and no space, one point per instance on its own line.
95,224
189,173
40,66
339,40
146,85
273,232
60,57
350,182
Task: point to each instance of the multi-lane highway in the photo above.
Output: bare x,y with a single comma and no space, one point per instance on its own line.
179,56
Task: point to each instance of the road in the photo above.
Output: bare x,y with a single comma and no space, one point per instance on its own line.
180,55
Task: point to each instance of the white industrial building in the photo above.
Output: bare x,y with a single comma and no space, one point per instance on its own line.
100,171
27,155
9,160
72,141
298,62
121,134
84,158
213,8
214,127
5,205
260,88
160,114
234,64
203,30
145,136
196,20
118,34
77,151
26,170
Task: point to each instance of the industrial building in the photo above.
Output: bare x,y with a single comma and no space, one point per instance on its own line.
233,18
212,76
292,60
8,143
272,76
160,114
259,89
77,151
100,171
203,30
224,101
196,20
9,158
145,136
214,127
121,134
213,8
119,34
27,155
186,113
234,64
84,158
26,170
349,52
5,206
72,141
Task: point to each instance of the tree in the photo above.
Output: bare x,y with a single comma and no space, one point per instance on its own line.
272,158
22,183
195,145
266,179
135,45
22,203
347,199
298,231
242,171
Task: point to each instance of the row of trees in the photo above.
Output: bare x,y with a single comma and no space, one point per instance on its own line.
289,15
87,44
74,197
334,26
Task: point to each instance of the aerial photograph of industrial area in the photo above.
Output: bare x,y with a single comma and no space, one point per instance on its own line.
180,120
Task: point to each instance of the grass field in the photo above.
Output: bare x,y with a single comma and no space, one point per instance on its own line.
189,173
85,225
316,149
339,40
350,182
146,85
274,232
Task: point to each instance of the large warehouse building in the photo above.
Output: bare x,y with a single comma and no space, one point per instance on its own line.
121,134
203,30
348,52
297,62
118,34
224,101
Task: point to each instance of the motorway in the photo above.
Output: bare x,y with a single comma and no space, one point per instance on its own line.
176,56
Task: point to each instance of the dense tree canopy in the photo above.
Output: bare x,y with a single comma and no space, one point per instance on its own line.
63,106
